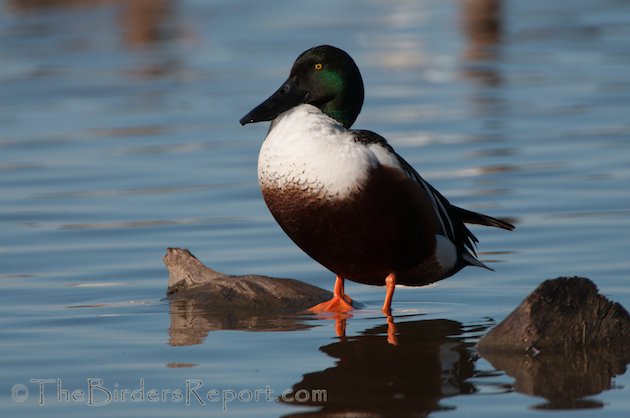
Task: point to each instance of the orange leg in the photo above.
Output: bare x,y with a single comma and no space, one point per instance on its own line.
340,302
391,331
390,283
340,325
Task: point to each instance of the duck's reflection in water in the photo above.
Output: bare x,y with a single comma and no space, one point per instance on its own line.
406,367
374,378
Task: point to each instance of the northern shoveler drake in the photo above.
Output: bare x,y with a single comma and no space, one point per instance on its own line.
344,196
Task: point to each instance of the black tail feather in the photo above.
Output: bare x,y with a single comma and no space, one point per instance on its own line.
470,217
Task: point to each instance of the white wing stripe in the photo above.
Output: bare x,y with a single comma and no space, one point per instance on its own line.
435,205
438,206
444,214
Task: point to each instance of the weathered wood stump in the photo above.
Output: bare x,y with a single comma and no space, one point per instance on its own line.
189,278
204,300
561,314
564,342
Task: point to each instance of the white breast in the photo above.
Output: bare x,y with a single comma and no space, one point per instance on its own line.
306,148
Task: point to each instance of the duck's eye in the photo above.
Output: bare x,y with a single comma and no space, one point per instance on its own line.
318,66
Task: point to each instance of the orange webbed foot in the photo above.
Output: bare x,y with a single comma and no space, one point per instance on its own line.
336,304
340,302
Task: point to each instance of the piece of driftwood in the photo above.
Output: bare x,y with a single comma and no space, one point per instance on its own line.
190,279
564,342
204,300
562,314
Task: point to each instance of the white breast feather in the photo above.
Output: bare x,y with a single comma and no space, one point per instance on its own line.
307,148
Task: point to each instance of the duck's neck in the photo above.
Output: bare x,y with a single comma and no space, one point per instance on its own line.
346,104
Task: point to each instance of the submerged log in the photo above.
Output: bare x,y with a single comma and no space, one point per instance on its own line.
562,314
190,279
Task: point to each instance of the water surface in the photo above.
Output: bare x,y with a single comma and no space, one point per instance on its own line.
120,138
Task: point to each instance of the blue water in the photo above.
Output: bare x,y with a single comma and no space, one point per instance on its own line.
120,138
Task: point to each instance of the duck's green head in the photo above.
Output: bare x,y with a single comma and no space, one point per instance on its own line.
323,76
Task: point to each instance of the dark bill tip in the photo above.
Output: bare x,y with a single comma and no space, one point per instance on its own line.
246,119
286,97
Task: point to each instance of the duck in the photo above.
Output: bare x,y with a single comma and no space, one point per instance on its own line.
345,196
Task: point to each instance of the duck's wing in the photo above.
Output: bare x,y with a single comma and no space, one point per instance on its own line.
451,218
452,226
